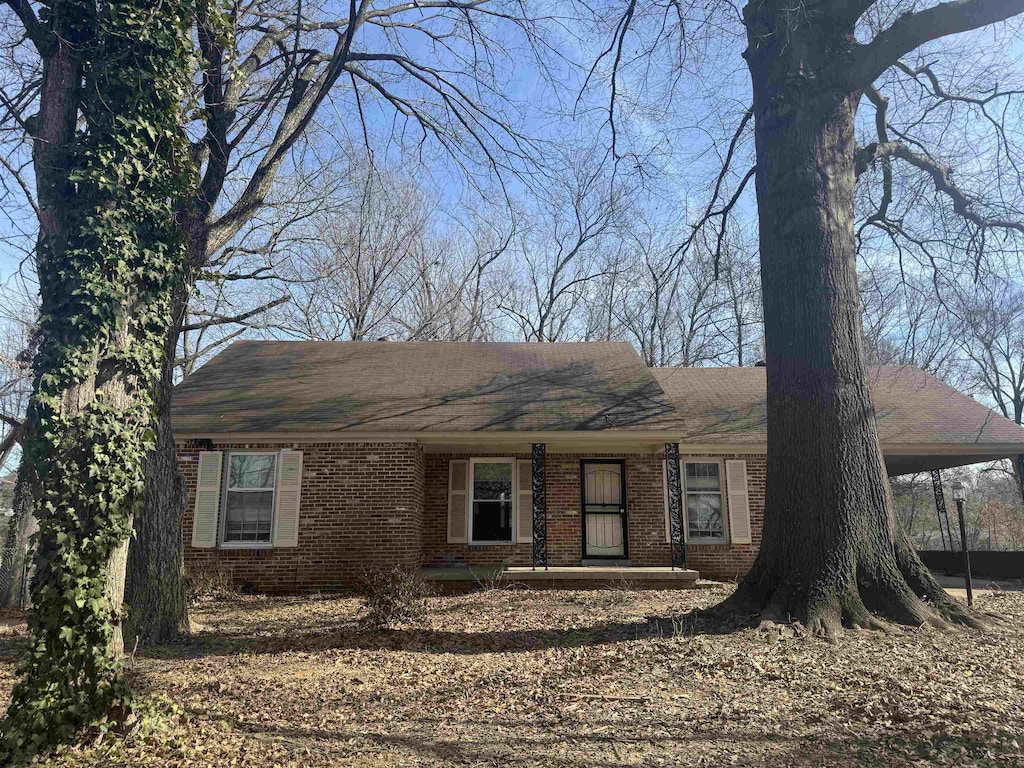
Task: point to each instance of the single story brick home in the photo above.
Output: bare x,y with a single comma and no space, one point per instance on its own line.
307,462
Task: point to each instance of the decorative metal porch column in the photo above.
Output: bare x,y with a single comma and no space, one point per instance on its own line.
1019,466
540,505
945,533
675,505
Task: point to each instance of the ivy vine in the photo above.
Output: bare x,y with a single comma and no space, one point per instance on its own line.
105,289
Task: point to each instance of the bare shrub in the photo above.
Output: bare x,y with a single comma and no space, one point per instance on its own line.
392,595
213,581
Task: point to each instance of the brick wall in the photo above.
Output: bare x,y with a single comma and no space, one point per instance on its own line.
361,504
382,503
645,497
728,562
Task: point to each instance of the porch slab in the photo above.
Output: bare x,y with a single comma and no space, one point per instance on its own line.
564,577
602,573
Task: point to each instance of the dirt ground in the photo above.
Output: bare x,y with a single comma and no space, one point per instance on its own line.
564,678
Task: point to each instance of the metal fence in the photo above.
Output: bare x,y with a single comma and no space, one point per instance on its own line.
14,565
991,564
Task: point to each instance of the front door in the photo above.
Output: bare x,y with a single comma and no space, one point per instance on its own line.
604,509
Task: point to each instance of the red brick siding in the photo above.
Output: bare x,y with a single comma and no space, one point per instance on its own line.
728,562
361,504
380,503
645,496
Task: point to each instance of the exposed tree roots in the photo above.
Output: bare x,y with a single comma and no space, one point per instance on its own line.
826,603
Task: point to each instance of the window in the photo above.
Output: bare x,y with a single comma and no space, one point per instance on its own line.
492,513
249,499
702,483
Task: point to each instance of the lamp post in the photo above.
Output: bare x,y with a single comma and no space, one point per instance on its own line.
958,496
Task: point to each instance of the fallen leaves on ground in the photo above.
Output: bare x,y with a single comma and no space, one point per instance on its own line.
566,678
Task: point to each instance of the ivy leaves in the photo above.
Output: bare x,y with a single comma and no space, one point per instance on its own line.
105,289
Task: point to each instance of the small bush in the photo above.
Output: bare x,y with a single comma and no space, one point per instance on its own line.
214,581
393,595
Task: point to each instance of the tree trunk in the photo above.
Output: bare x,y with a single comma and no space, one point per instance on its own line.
833,552
109,259
156,595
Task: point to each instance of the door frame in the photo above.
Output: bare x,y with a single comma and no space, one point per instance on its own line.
624,515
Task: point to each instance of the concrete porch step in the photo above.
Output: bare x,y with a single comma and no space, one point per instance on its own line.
563,577
605,573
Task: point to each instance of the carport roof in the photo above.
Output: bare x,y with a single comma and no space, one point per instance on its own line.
923,423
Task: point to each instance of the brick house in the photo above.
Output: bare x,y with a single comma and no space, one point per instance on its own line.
306,462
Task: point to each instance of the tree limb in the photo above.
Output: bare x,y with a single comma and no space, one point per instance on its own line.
942,177
865,62
225,319
42,38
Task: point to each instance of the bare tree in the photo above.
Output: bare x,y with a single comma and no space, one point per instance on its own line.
565,231
832,554
358,72
905,324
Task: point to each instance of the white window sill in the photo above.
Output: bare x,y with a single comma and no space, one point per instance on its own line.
698,542
245,545
492,543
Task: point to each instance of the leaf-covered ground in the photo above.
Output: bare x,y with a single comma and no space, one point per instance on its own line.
563,678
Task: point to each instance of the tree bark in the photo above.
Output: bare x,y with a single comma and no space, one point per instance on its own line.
156,591
156,594
833,553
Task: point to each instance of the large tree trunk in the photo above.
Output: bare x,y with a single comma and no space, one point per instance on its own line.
109,258
156,577
156,595
833,552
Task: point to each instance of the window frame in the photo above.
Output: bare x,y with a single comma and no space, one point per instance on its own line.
722,492
470,494
222,542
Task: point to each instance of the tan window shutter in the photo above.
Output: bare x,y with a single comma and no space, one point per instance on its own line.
524,499
289,491
458,501
204,521
739,501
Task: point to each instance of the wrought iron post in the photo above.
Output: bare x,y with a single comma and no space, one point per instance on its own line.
540,505
958,496
1019,466
945,533
675,505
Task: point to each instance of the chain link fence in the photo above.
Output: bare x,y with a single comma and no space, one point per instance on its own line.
15,560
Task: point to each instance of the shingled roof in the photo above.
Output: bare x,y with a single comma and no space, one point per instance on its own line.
293,386
911,408
457,387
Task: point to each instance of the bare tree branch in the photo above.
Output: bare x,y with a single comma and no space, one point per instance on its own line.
910,31
215,319
942,177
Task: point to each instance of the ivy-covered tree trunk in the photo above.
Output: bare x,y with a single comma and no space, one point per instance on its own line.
833,553
157,599
109,257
